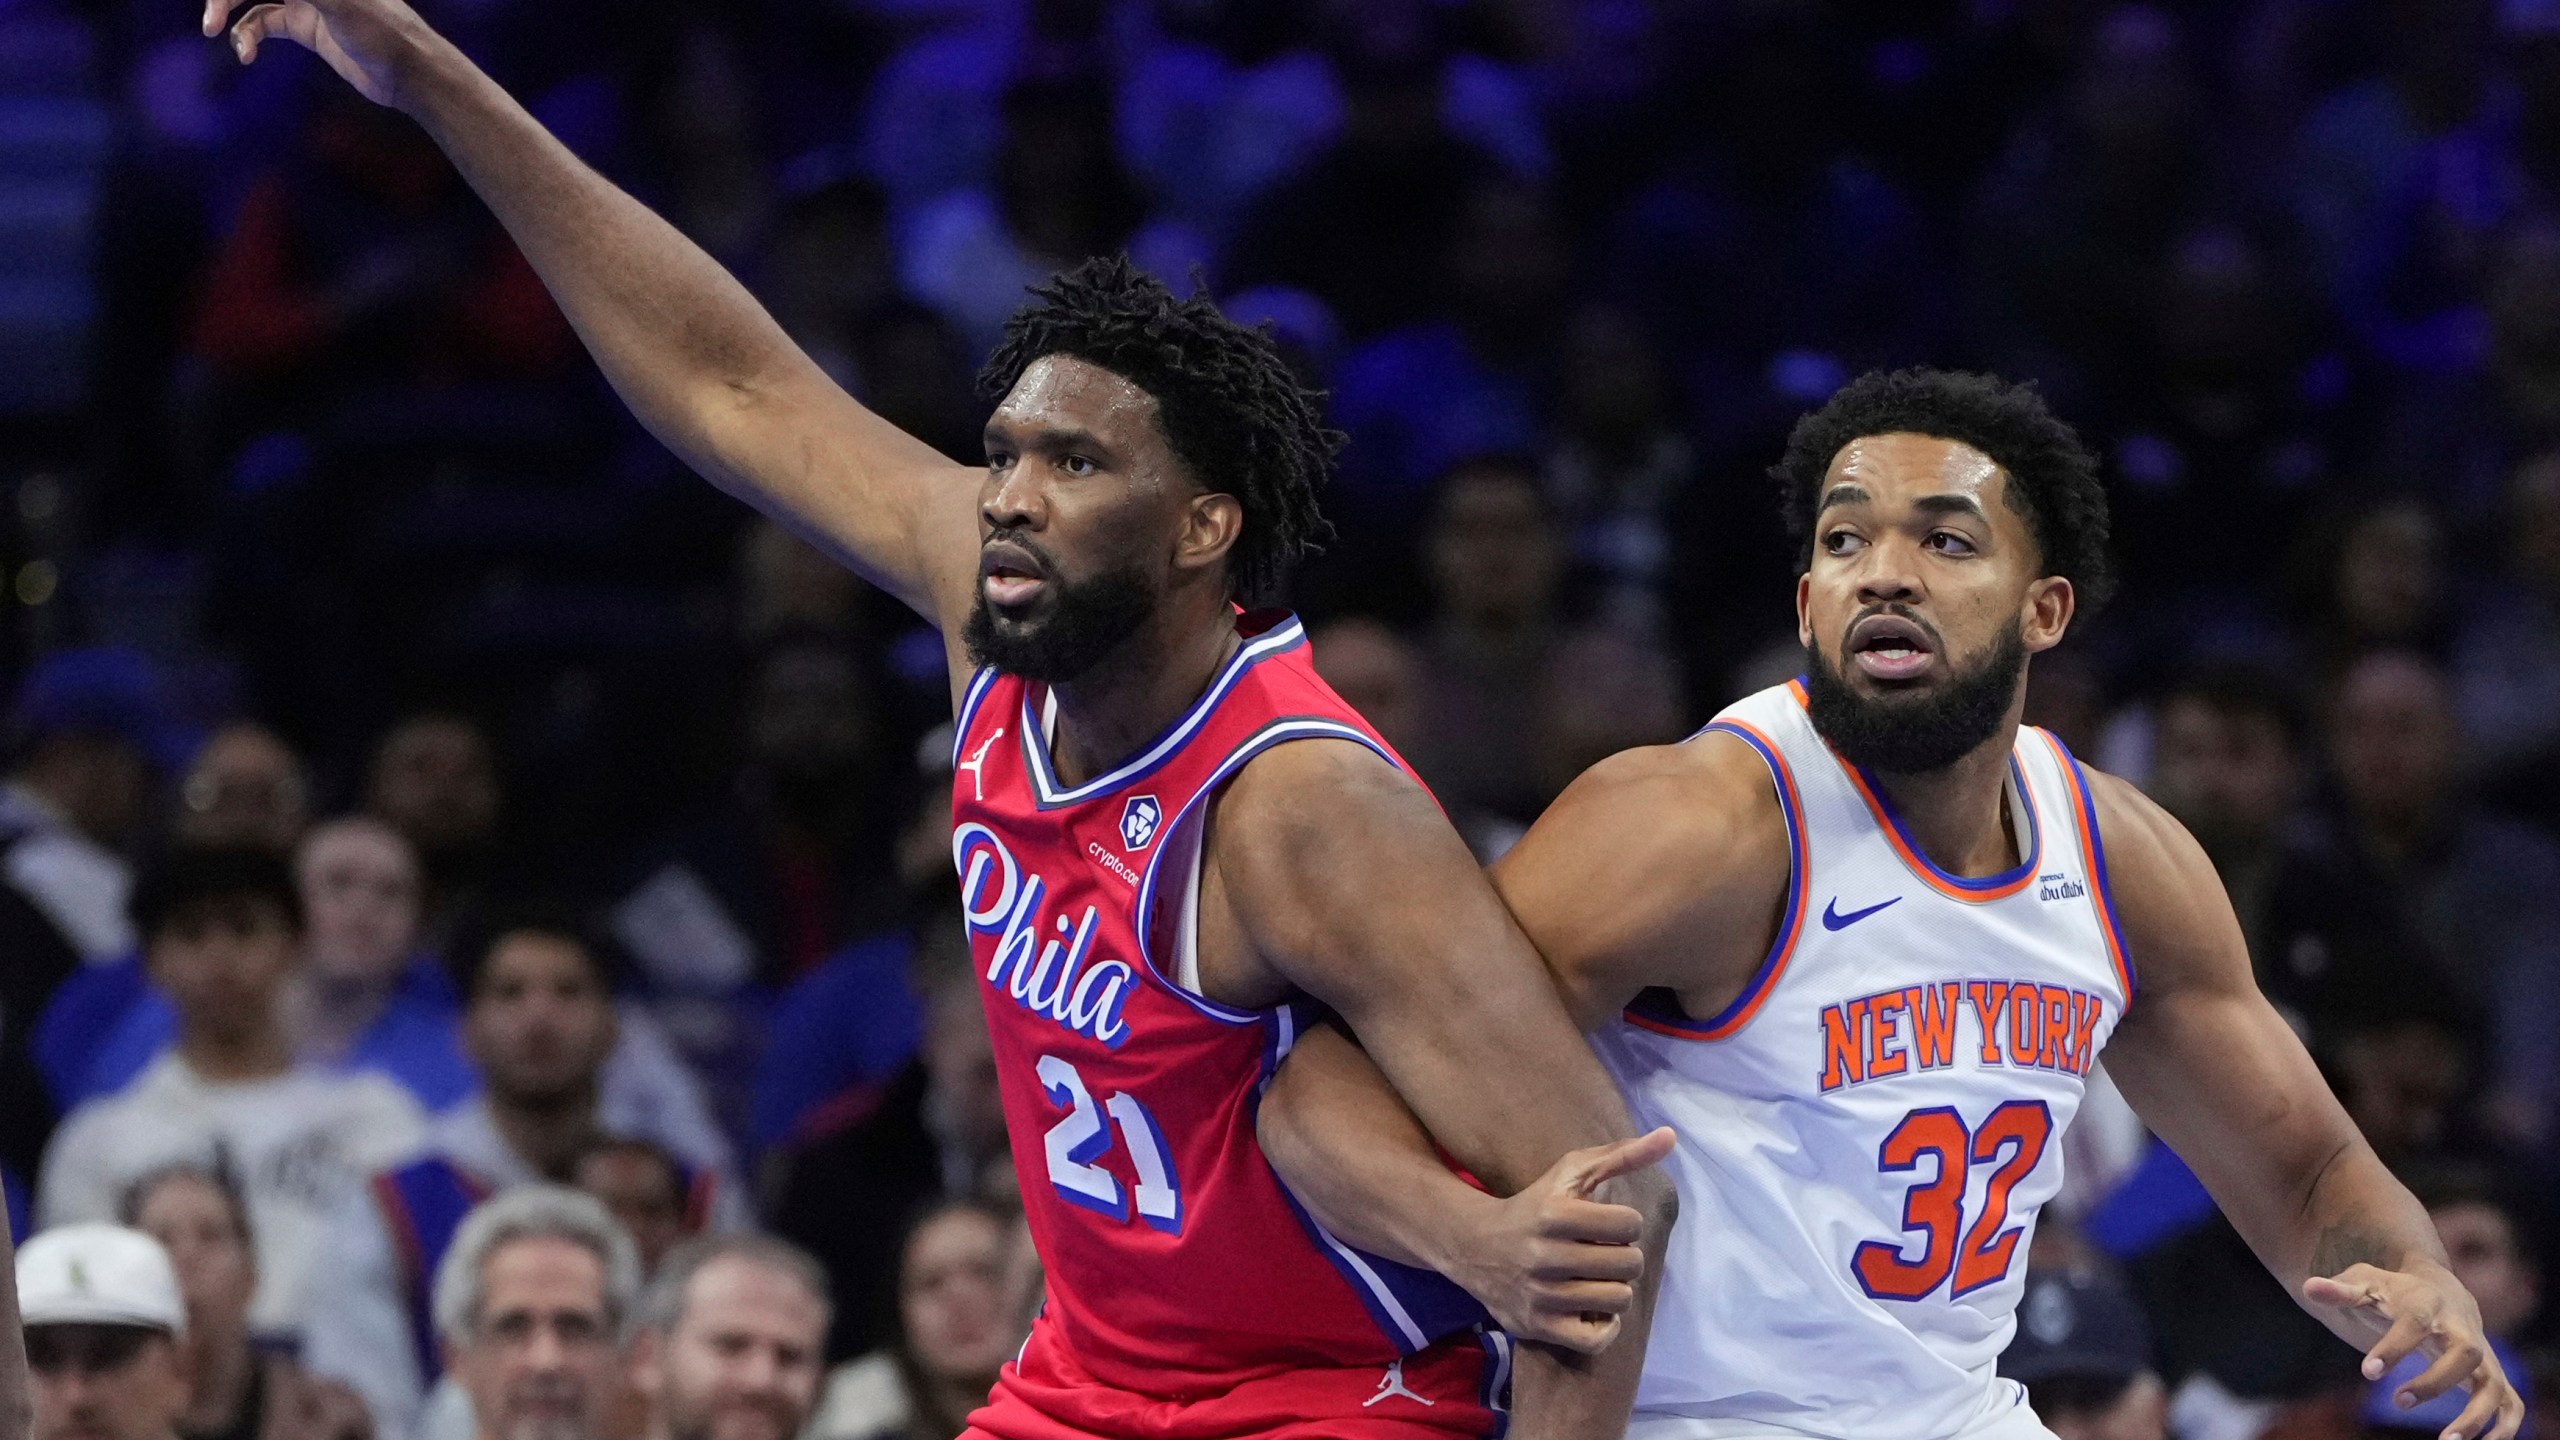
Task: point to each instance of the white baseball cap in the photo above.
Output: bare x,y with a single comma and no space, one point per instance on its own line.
98,1275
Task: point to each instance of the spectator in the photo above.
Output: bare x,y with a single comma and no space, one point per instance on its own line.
234,1392
2507,654
244,788
831,264
375,1000
1495,556
1473,379
1619,462
103,1324
221,929
1362,224
2482,893
2084,1354
2330,947
1603,692
531,1304
539,1024
2371,575
954,1331
731,1343
368,1000
935,1131
788,865
88,731
2072,223
434,779
356,261
656,1199
1059,195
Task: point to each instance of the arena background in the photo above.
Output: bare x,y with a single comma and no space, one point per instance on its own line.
296,457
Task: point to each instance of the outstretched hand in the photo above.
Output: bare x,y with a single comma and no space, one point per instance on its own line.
1554,1265
365,41
2426,1310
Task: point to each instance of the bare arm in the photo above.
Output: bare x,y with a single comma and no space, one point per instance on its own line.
688,349
1371,904
1659,866
2217,1074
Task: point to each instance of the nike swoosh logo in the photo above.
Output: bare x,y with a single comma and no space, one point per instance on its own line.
1832,919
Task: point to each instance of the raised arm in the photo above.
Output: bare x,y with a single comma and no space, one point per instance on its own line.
2217,1074
688,349
1369,902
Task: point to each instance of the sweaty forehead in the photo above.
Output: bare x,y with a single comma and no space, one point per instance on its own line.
1066,392
1902,464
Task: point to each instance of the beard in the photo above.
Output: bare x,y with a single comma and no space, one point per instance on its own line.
691,1418
1931,730
1084,624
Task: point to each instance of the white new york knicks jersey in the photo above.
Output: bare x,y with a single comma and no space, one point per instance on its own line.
1867,1132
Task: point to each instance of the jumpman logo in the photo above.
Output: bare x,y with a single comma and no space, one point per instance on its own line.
1393,1386
976,765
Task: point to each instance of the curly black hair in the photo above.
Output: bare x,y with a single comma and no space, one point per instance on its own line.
1232,410
2053,479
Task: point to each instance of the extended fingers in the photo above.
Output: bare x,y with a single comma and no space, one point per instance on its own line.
2406,1334
2488,1397
2460,1362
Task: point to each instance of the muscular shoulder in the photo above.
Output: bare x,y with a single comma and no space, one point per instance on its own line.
1318,848
1659,866
2177,921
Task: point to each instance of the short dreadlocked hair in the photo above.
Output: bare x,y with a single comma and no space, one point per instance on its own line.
1232,410
2053,479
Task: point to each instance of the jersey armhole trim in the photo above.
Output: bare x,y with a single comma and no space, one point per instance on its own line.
1725,1023
1303,727
967,715
2093,845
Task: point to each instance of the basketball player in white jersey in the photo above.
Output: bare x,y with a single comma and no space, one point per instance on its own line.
1860,941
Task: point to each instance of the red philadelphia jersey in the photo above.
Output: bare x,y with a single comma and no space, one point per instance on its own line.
1189,1296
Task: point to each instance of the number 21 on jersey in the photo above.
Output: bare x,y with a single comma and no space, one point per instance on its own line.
2013,1137
1083,1137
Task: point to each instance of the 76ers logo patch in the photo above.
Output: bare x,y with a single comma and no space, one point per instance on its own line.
1138,821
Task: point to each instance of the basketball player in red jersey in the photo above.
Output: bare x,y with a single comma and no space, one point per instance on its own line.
1174,841
1861,939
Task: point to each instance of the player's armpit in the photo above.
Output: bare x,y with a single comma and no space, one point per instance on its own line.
1660,866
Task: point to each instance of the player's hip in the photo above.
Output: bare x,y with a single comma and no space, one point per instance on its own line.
1458,1387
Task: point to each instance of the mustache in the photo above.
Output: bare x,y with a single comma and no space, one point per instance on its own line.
1898,611
1020,538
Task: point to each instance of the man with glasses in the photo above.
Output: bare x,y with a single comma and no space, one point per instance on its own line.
103,1320
530,1305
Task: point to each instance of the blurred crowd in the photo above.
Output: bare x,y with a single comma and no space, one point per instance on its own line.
418,787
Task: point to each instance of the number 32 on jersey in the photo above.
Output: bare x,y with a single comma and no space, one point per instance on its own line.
2013,1137
1083,1137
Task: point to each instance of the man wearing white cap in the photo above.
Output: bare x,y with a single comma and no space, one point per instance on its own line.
103,1319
